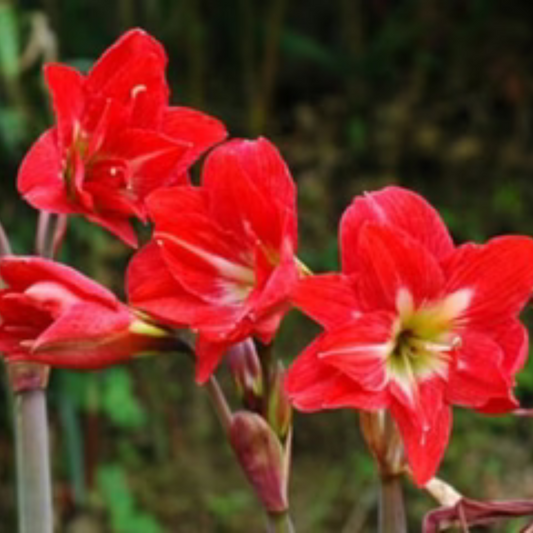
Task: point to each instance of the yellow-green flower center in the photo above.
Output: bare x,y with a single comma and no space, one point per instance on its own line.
424,337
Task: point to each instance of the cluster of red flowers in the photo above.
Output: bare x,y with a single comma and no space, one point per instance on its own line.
412,325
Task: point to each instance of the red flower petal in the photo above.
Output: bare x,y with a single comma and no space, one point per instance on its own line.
151,158
209,354
40,177
251,192
499,276
279,283
313,385
104,122
399,208
343,392
153,288
391,261
66,87
83,323
133,71
359,349
118,225
129,47
476,374
16,308
513,338
197,129
327,298
22,272
88,337
308,379
425,441
206,260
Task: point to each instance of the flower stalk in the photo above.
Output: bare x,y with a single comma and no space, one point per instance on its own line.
28,382
280,523
383,440
391,506
33,463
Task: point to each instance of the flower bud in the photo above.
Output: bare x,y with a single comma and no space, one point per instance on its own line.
262,459
55,316
279,408
384,441
246,370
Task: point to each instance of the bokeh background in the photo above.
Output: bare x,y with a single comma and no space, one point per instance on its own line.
433,95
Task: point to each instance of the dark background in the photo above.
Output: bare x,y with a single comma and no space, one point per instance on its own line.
433,95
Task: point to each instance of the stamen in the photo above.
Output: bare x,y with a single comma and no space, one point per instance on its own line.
137,89
430,346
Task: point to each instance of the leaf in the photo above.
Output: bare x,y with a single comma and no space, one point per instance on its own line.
9,44
119,402
113,485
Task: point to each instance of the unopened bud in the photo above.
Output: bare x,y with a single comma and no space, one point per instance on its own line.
279,408
384,441
262,459
246,370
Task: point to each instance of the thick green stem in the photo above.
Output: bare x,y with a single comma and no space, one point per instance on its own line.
33,466
391,508
280,523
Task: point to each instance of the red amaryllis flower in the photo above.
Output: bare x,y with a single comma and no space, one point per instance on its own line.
222,257
54,315
414,325
115,138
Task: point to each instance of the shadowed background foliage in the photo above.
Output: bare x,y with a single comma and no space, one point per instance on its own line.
433,95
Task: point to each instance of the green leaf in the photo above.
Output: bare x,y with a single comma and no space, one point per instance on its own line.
125,518
9,44
118,399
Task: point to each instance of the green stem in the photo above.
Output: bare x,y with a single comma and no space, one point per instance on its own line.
33,466
391,508
280,523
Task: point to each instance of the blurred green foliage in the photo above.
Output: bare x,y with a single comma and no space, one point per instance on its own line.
124,516
436,96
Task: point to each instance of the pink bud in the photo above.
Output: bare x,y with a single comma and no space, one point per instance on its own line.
262,459
246,370
279,408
